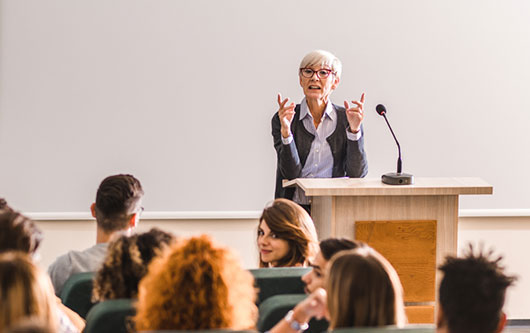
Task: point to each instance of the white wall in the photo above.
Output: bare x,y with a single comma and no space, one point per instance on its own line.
507,235
180,93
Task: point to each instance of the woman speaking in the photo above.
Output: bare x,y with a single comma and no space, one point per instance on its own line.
316,138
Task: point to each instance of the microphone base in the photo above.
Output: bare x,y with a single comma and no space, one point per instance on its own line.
394,178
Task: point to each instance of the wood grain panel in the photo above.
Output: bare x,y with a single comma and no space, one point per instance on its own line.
420,314
411,248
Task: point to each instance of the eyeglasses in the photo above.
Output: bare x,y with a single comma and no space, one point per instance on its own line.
321,73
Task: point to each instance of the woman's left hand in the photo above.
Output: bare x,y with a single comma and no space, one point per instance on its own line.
355,114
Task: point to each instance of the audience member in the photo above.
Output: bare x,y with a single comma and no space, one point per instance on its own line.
19,233
25,291
30,325
196,285
362,290
472,294
117,209
315,278
3,203
286,235
126,264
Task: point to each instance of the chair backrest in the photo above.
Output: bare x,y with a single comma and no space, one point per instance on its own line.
420,328
279,280
274,308
77,293
110,316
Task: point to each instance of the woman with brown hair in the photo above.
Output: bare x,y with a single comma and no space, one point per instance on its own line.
25,291
286,235
362,290
20,233
126,264
196,285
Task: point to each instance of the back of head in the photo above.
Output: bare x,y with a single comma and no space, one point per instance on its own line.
18,233
25,291
289,221
330,246
3,203
117,198
363,290
196,285
126,264
472,292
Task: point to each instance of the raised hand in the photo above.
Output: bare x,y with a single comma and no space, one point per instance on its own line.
355,114
286,114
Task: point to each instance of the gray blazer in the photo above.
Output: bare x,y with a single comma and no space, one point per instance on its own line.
349,157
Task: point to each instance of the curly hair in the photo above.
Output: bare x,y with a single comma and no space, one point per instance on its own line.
290,222
472,291
18,232
126,264
196,285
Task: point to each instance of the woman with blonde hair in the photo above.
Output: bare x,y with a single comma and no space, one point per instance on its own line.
196,285
25,292
362,290
126,264
286,235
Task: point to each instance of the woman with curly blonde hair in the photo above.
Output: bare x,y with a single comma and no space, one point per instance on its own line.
286,235
126,264
196,285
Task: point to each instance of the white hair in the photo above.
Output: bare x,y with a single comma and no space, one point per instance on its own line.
322,58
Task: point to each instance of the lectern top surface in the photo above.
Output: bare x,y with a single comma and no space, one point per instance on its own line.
374,186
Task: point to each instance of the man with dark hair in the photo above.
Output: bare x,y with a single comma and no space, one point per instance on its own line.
117,209
472,294
314,279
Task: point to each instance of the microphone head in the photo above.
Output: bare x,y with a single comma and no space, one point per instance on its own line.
380,108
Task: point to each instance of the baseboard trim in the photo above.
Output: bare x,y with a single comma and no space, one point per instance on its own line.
244,215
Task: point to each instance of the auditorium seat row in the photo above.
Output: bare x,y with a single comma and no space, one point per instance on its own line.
280,289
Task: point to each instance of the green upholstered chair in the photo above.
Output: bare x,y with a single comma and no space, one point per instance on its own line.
77,293
389,329
274,308
110,316
281,280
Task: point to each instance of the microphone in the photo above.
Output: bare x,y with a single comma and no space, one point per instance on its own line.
394,178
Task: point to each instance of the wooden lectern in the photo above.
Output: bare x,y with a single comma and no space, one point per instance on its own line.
413,226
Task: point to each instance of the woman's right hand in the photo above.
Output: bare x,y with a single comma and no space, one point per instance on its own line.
286,114
315,305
